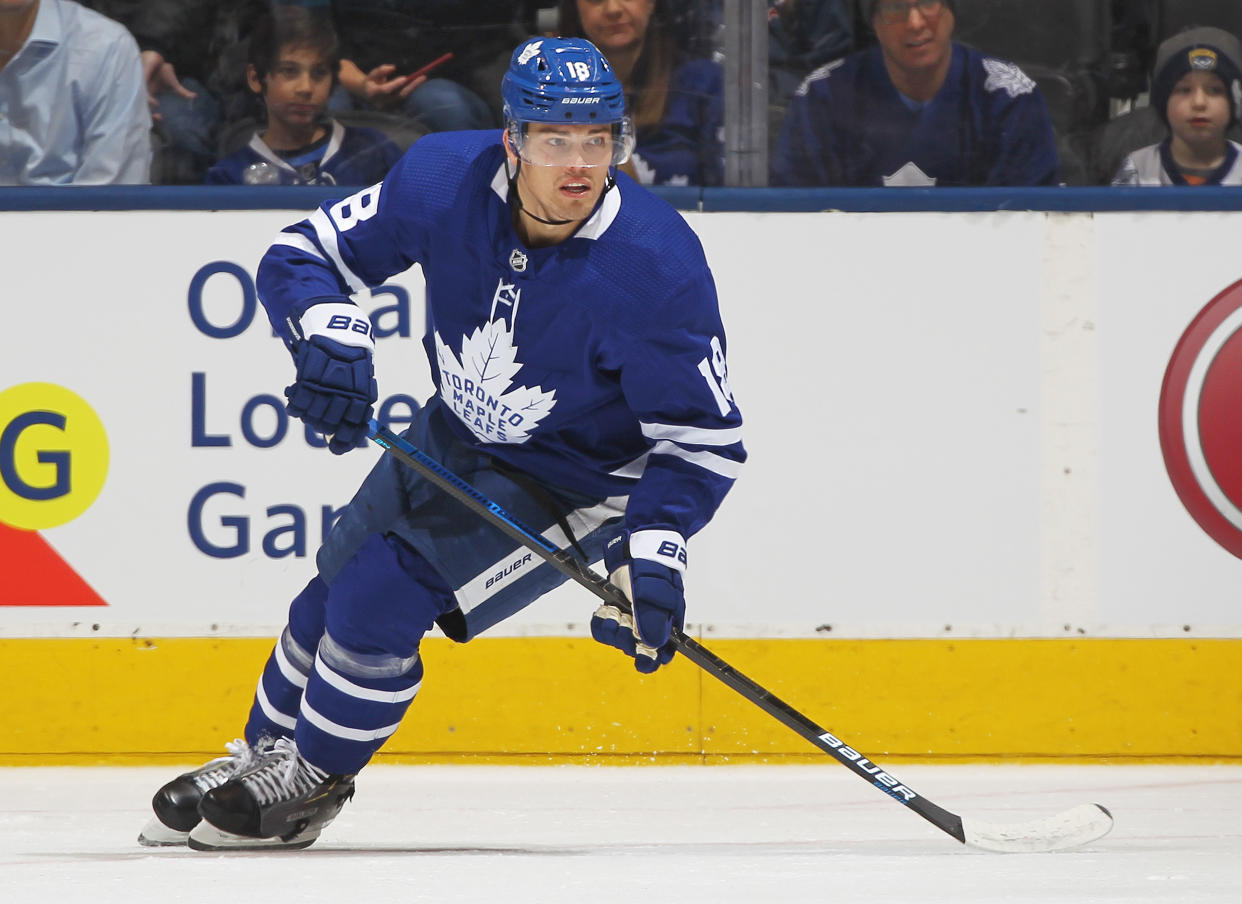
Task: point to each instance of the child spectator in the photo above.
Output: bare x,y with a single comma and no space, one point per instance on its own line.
1196,90
293,60
73,110
916,109
676,102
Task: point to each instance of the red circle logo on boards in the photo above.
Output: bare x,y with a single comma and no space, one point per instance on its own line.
1201,419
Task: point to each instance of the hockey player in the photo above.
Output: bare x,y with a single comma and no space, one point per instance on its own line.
917,109
1196,90
579,359
293,59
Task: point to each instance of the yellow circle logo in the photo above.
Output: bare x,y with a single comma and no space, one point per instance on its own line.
53,456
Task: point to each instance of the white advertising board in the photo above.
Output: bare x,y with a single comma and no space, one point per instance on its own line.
951,421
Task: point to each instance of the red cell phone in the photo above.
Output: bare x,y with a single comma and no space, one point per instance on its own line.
438,61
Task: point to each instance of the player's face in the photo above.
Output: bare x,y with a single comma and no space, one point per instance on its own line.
564,168
296,89
615,24
914,35
1198,109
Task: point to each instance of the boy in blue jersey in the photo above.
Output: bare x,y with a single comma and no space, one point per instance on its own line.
293,60
579,361
917,109
1197,90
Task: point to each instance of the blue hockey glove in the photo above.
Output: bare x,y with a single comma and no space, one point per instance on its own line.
334,390
646,566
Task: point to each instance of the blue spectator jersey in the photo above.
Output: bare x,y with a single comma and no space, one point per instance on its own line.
687,146
596,365
351,156
848,125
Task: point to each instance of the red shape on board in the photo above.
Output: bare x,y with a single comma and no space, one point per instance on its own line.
34,574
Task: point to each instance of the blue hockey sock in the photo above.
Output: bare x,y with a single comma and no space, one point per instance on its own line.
352,704
279,694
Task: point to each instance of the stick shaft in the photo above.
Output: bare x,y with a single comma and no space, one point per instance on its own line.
708,661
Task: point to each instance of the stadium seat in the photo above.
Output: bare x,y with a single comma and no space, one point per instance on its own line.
1173,16
1120,136
1068,35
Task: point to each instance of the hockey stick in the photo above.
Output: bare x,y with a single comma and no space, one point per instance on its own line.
1072,828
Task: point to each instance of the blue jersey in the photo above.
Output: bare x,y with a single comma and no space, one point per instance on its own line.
351,156
848,125
596,365
687,146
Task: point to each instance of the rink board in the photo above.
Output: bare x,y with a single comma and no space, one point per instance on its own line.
952,422
545,699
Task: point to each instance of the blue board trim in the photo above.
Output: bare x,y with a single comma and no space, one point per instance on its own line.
759,200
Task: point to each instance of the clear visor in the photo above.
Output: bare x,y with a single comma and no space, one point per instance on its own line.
539,144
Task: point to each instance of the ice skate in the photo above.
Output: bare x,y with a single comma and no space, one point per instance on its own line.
176,804
284,802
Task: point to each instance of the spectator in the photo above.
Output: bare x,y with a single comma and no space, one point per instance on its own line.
803,35
1196,89
190,48
383,43
916,109
293,59
72,105
676,103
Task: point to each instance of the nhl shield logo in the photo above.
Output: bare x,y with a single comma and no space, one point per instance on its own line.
517,260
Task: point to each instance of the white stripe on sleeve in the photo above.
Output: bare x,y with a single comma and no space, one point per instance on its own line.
698,436
709,461
326,234
298,241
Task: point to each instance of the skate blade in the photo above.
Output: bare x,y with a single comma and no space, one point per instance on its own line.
206,837
156,834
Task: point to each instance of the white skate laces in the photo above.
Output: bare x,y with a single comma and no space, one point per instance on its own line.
283,775
214,774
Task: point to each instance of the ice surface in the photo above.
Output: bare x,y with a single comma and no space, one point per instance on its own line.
679,835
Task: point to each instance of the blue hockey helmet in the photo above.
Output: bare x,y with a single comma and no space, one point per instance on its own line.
564,80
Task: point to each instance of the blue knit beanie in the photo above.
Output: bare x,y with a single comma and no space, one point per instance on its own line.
1197,50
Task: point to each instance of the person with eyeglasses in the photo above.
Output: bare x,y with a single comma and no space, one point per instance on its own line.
916,109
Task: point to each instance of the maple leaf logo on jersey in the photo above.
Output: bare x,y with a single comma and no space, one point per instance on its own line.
909,176
478,386
1007,77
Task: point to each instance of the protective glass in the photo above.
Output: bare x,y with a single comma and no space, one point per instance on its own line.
567,146
893,12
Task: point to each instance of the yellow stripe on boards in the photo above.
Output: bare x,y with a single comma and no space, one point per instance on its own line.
558,699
